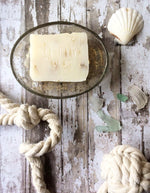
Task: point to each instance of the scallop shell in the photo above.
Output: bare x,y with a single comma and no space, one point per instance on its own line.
138,96
124,24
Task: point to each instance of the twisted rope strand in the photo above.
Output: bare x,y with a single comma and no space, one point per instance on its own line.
37,175
7,103
7,119
28,117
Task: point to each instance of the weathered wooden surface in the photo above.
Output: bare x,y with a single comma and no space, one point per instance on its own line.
74,165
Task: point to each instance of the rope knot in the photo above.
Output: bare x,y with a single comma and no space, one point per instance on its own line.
125,170
27,116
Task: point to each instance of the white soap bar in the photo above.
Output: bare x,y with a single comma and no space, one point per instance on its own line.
59,57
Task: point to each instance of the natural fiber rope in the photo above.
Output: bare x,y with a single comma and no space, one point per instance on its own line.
28,117
125,170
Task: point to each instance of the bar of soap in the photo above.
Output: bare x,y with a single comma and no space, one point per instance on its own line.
59,57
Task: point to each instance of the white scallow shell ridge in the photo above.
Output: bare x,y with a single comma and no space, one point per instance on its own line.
124,24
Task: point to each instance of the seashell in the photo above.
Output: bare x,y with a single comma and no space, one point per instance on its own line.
138,96
124,24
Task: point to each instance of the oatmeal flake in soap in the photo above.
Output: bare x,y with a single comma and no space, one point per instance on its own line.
59,57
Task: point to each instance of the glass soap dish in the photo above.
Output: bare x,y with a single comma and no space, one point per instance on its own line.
20,59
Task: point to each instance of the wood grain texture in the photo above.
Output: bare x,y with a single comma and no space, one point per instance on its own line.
53,161
10,137
38,12
98,13
32,19
74,165
75,135
135,70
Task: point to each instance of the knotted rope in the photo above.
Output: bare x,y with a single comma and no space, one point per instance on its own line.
125,170
28,117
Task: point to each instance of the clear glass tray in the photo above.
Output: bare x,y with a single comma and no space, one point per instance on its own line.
20,61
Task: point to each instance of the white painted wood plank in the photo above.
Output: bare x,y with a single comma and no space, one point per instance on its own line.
68,168
53,159
75,134
32,19
136,70
11,163
98,13
38,12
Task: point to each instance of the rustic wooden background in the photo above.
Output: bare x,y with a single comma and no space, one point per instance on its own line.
74,165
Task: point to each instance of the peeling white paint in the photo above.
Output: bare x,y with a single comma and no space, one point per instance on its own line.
101,35
101,8
135,62
10,136
32,10
67,168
